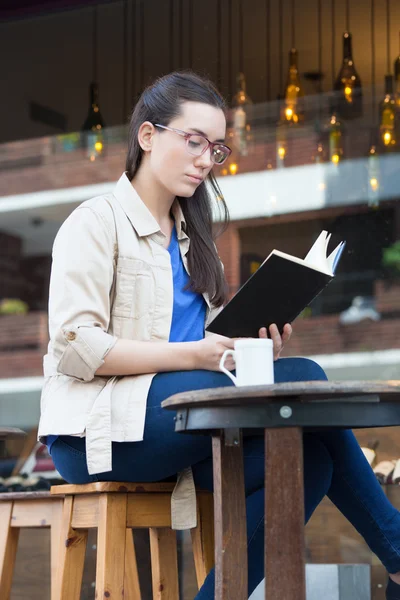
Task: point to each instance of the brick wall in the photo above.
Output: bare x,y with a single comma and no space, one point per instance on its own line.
387,296
25,278
325,335
10,258
23,342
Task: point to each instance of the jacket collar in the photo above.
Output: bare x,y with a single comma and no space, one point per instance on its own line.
179,219
138,213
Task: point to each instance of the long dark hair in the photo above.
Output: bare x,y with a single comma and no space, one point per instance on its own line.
160,103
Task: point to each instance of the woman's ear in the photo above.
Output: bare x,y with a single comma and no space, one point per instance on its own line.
145,136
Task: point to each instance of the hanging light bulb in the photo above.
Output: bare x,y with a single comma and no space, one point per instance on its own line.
318,157
348,84
373,176
335,140
241,103
292,110
387,111
281,144
94,125
281,152
233,168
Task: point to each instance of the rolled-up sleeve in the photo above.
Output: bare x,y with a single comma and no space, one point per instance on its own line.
79,299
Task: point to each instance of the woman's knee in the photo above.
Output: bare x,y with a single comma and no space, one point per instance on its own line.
298,369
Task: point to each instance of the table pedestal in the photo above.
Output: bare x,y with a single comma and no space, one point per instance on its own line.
229,518
284,514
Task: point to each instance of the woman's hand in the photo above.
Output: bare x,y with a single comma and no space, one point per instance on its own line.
278,340
208,352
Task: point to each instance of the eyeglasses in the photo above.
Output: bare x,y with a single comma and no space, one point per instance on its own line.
197,145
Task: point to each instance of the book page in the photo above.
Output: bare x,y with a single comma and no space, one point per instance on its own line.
300,261
316,256
334,256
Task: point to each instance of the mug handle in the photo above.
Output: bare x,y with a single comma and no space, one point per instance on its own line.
221,365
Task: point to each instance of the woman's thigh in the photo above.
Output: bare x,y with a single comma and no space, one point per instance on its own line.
163,453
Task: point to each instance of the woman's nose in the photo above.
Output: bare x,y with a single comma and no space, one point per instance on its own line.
204,160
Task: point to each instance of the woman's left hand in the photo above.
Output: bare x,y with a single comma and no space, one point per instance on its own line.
278,340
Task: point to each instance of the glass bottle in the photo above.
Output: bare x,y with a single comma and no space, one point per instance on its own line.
335,139
292,111
348,84
387,112
241,103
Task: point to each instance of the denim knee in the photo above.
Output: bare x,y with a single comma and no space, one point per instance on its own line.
298,369
313,370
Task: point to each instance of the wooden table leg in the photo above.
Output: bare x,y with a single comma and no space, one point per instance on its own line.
229,518
284,515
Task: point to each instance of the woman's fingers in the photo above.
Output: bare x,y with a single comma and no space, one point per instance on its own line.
262,333
287,332
276,339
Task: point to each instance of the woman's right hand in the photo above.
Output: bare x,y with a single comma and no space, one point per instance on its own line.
210,350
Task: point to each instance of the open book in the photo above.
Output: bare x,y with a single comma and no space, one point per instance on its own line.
278,291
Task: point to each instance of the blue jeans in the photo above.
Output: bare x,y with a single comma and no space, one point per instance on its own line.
334,465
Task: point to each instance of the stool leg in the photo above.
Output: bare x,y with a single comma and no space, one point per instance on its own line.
8,549
72,551
203,537
164,564
111,540
131,578
55,537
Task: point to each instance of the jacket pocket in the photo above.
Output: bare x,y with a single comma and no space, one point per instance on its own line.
135,290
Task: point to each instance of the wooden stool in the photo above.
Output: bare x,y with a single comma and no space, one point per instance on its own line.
27,509
115,509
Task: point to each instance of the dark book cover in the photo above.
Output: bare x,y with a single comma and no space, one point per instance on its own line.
276,293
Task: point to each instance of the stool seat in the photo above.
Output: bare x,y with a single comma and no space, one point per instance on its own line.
106,487
11,432
10,496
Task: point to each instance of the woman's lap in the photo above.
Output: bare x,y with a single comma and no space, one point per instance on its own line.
163,453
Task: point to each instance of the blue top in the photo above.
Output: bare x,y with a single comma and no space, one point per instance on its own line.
189,310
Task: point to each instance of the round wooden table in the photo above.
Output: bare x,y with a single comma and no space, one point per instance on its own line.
280,412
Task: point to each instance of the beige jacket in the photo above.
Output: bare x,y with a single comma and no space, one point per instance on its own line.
111,278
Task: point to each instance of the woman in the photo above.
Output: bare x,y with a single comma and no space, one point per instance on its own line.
135,280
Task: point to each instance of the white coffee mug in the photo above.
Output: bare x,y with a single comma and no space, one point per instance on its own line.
254,359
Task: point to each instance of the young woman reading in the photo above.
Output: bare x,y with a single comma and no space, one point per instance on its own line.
135,279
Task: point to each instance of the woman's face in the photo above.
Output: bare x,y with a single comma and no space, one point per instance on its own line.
178,171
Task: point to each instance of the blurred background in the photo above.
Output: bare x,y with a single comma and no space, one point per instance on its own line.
314,94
